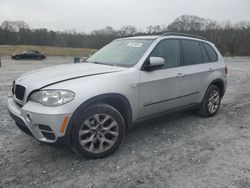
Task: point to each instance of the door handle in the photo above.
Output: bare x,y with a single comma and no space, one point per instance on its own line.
180,75
211,70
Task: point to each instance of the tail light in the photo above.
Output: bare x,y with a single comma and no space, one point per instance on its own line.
226,69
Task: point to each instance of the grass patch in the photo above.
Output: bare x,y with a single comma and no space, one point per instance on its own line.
8,50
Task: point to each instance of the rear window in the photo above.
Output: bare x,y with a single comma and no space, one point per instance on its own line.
191,52
211,53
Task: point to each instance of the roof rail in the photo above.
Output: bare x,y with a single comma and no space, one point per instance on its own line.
184,35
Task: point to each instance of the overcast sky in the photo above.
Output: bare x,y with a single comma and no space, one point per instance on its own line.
87,15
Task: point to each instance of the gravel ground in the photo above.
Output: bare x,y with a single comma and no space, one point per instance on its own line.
177,150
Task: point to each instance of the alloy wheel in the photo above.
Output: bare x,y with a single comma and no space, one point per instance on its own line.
98,133
213,101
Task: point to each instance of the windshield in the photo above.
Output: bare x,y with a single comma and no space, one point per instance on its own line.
123,52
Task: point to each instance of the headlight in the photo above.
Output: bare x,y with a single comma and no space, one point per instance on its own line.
52,97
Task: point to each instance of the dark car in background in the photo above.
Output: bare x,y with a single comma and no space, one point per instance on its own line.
29,54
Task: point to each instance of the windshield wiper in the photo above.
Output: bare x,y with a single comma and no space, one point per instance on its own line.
102,63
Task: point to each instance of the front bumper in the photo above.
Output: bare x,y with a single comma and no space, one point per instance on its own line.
45,127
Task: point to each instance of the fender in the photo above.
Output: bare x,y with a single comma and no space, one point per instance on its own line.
220,84
99,98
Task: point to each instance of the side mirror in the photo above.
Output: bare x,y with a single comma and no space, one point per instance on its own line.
154,63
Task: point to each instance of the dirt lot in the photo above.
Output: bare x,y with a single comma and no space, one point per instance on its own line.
178,150
7,50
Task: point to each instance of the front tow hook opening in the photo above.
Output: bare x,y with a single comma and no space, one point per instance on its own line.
28,118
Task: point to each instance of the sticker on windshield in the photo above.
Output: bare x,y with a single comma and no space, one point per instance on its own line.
135,44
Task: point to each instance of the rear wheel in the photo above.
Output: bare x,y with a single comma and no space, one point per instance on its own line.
98,131
211,102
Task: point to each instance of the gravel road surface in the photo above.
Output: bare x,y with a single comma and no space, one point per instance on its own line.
177,150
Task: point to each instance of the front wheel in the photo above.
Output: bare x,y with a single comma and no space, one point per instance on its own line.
211,102
98,131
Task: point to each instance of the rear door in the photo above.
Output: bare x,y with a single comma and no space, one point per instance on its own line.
195,69
211,64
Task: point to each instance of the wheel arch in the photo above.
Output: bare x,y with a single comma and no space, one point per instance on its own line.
220,84
118,101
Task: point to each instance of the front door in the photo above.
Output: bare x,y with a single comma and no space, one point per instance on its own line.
165,88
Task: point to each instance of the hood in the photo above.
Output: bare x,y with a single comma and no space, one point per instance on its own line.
54,74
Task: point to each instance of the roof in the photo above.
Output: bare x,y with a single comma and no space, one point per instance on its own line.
144,37
169,34
183,35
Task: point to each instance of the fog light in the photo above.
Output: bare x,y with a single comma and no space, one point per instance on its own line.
28,118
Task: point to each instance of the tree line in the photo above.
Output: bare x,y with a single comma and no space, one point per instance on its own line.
231,39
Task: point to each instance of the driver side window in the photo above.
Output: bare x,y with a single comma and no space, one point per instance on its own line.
169,50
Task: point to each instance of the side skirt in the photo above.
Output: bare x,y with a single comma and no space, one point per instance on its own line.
179,109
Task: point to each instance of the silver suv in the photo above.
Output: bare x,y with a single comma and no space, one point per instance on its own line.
90,105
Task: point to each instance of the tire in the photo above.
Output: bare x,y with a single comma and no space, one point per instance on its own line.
98,131
39,58
17,58
211,102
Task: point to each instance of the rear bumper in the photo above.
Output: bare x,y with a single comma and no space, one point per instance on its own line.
44,127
